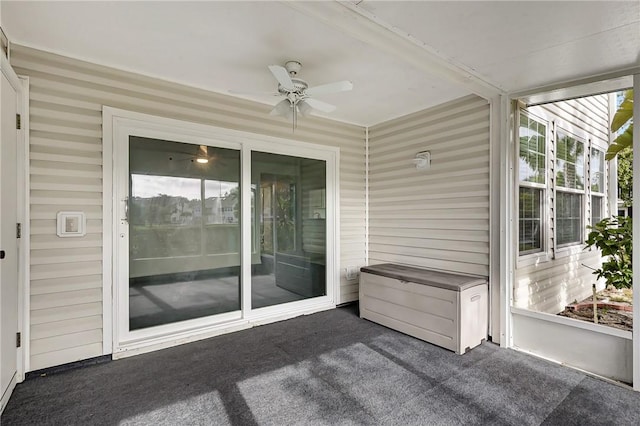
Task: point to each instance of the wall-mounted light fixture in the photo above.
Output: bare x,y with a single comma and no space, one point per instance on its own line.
422,160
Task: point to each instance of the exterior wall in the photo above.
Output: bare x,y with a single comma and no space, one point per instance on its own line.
66,98
438,218
549,285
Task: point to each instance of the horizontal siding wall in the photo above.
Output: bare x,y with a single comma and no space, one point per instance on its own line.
66,99
438,218
551,285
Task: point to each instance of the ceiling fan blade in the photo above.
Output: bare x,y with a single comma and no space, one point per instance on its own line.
319,105
256,93
338,86
282,75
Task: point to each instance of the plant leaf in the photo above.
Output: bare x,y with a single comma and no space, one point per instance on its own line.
624,112
621,142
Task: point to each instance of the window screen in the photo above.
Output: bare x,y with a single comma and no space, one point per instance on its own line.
568,218
530,220
569,162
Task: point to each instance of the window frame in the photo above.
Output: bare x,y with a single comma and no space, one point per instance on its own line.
560,247
602,209
564,249
530,257
601,195
555,127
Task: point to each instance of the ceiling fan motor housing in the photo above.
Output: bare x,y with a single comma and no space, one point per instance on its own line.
293,67
298,84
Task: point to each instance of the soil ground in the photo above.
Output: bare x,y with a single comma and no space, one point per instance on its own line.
606,315
609,317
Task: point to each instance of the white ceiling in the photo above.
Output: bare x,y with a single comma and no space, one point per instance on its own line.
223,46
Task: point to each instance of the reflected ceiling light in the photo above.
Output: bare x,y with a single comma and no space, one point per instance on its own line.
203,155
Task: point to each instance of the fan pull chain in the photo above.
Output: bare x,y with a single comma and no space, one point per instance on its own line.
295,117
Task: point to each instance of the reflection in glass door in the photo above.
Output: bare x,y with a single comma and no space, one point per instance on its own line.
290,264
184,231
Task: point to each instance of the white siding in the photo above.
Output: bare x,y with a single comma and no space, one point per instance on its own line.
66,99
438,218
550,285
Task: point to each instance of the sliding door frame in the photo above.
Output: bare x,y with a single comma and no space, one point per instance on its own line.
118,125
316,152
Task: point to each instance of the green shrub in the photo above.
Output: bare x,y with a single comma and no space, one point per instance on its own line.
613,236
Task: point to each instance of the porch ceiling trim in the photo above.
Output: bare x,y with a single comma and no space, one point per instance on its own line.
366,27
590,89
580,87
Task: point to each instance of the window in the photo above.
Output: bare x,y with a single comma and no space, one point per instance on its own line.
597,171
560,176
569,162
532,150
568,218
530,220
570,185
532,176
597,185
596,209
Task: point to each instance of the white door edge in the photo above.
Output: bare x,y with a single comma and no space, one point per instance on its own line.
24,283
17,86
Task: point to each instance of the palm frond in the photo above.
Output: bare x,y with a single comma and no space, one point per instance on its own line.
623,141
624,112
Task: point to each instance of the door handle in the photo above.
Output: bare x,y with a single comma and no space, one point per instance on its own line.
126,209
1,254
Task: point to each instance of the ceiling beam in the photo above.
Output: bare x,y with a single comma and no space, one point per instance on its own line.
575,92
366,27
585,86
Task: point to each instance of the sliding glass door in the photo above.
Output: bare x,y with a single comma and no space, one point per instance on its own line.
184,231
215,230
291,262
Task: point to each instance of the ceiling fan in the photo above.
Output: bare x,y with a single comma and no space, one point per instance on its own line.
298,96
201,156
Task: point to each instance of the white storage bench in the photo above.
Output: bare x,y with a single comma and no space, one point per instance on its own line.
445,309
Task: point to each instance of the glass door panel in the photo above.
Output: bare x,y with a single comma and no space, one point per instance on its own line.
184,231
290,259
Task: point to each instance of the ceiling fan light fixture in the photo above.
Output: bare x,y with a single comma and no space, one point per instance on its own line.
202,160
282,108
290,114
305,108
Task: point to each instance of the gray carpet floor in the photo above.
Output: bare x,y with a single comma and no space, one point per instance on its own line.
327,368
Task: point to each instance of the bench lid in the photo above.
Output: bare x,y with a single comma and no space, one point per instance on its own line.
446,280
